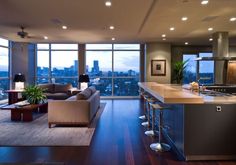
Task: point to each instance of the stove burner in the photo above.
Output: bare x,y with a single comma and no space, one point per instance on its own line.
215,94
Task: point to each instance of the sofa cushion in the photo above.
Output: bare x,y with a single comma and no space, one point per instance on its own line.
62,87
57,96
49,88
93,89
84,95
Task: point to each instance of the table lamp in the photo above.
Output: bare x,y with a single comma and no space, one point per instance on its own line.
83,79
19,80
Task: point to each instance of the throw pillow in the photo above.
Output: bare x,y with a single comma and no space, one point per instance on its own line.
84,95
93,89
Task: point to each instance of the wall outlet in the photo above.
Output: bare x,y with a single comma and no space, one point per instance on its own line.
218,109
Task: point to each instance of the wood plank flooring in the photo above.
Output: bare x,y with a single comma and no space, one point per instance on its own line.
118,140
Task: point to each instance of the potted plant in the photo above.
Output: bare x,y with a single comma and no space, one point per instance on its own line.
179,68
34,94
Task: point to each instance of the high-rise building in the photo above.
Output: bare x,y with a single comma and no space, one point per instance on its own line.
95,68
87,69
75,64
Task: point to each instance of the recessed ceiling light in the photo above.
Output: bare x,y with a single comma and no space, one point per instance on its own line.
205,2
163,35
64,27
45,37
108,3
172,28
184,18
210,39
113,38
163,39
232,19
186,43
210,29
111,27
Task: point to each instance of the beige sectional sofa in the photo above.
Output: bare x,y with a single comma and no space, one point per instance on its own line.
76,110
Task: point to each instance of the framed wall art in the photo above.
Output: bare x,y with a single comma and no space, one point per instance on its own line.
158,67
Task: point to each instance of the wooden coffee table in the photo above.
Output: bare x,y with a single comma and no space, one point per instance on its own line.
25,112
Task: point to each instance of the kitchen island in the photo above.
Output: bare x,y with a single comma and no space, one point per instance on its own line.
198,127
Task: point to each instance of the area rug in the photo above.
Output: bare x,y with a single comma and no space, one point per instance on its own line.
37,133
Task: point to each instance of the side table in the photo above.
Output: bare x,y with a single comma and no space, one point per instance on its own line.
13,95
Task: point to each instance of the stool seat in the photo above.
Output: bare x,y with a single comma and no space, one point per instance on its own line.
158,106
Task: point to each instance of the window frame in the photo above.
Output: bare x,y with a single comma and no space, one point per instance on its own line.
50,50
113,50
8,77
197,53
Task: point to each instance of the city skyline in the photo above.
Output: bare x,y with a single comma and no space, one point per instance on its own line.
94,69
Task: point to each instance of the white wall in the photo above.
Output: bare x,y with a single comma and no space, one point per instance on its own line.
158,51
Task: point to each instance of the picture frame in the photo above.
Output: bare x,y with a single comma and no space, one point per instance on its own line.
158,67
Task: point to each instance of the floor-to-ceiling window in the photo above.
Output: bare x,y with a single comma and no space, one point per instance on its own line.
190,73
57,63
4,68
206,69
114,68
198,70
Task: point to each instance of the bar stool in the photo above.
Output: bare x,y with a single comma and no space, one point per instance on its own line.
142,117
152,131
160,146
148,99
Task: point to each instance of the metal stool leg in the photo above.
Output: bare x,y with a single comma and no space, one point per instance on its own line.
160,147
151,132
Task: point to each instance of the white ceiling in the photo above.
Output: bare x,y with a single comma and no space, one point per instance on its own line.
134,20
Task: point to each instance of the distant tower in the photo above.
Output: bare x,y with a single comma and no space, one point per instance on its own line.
95,68
76,65
87,69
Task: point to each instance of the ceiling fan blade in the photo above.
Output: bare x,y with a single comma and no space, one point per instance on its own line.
34,37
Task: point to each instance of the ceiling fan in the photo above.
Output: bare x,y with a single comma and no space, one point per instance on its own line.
22,33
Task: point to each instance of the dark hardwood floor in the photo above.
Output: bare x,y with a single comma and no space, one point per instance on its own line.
118,140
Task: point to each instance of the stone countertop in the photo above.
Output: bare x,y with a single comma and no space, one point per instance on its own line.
176,94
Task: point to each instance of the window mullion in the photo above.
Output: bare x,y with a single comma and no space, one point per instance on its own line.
112,81
50,65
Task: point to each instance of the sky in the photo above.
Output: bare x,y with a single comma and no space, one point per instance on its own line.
124,60
3,59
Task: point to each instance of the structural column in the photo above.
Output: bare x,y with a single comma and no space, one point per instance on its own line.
220,49
82,59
